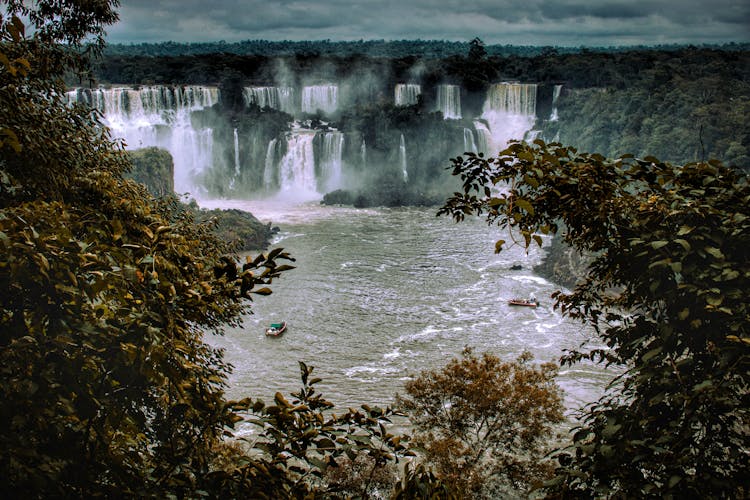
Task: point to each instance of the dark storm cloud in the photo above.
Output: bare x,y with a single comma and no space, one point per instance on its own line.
539,22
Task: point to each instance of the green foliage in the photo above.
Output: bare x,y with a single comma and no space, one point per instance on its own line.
303,448
666,293
107,385
676,110
154,168
241,229
483,422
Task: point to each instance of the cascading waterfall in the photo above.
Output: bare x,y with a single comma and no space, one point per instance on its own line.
159,116
555,96
330,160
469,144
407,94
449,101
236,159
510,112
297,167
236,153
484,138
280,98
270,174
320,97
402,158
363,153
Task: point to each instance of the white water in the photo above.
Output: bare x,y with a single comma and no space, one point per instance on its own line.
159,116
330,161
406,94
449,101
270,174
280,98
297,167
469,144
555,96
402,158
236,153
380,294
320,97
509,112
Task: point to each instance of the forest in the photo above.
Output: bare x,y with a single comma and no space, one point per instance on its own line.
369,48
111,389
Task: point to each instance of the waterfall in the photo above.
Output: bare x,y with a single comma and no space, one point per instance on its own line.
402,158
297,167
330,160
236,153
469,144
320,97
280,98
484,138
270,175
363,153
449,101
407,94
555,96
512,98
509,112
158,116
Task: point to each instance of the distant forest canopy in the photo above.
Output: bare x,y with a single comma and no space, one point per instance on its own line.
373,48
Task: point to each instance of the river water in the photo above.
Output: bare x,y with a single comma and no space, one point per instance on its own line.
380,294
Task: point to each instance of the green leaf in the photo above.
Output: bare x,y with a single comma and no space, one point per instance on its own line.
524,204
683,243
715,252
652,353
656,245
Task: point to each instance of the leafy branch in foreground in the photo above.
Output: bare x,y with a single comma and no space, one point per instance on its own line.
304,449
666,292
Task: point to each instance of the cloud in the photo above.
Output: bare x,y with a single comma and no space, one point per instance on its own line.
522,22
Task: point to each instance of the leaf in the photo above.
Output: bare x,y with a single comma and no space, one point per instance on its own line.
656,245
524,204
652,354
715,252
499,245
683,243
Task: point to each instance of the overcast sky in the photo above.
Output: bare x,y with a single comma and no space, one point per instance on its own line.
517,22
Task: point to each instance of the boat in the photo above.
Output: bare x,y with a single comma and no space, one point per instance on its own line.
276,329
523,302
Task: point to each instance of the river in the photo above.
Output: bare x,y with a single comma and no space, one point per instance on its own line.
380,294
